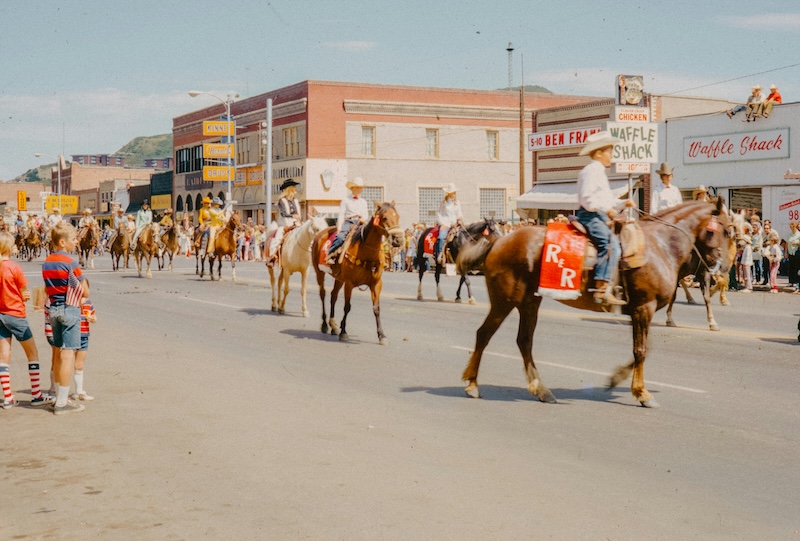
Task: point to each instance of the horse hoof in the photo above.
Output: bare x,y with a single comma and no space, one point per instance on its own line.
281,311
383,341
691,301
419,297
440,298
670,323
324,328
547,397
472,391
305,313
650,403
458,300
343,337
472,300
713,327
275,310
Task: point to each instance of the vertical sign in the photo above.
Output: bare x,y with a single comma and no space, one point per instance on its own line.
22,200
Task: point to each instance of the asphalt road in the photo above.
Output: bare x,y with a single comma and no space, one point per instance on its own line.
216,419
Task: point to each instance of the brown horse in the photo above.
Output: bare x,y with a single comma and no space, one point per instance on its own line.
87,244
120,247
146,248
362,265
169,240
512,271
224,244
33,243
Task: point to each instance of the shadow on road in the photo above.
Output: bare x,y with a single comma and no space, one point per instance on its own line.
317,335
500,393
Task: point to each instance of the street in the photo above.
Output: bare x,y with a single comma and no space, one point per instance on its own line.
215,418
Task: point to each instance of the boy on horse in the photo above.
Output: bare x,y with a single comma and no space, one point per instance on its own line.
288,218
597,207
144,217
119,219
86,222
448,216
352,211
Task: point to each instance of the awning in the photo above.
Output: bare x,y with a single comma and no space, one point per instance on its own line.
133,207
560,196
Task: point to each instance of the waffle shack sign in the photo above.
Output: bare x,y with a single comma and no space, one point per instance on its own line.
756,145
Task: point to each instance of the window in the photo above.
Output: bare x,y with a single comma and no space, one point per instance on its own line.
429,201
372,193
432,143
368,140
198,202
493,203
179,204
291,143
189,203
243,150
492,145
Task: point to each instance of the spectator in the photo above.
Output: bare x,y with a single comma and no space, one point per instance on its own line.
411,250
746,260
774,254
793,248
773,98
754,101
759,272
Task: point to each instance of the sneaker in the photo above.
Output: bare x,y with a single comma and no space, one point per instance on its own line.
69,407
10,404
82,396
42,400
730,114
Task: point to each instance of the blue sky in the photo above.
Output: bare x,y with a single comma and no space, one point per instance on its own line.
102,72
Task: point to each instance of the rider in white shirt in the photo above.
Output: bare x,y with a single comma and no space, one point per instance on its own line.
449,215
352,210
55,218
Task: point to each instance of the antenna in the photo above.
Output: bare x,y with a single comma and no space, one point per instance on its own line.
510,50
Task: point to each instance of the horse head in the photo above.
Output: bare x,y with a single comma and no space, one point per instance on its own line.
717,239
387,221
317,224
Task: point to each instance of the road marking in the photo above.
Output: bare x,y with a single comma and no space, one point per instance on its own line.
210,302
576,369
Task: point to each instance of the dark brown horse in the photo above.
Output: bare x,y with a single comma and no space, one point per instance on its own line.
224,245
33,243
120,247
512,270
146,248
87,244
361,265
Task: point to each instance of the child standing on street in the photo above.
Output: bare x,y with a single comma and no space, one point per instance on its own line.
87,316
65,287
774,254
14,293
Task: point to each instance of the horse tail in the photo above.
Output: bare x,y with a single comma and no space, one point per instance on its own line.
471,257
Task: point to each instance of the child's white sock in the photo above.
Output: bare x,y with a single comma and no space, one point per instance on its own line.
79,382
63,396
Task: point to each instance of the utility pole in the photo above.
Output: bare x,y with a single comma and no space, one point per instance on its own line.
521,126
510,50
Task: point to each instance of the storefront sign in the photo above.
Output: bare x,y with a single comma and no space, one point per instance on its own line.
216,173
638,142
255,176
547,140
756,145
67,205
160,202
22,200
629,115
217,151
194,181
632,168
215,127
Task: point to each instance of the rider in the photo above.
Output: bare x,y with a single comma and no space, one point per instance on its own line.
86,221
598,206
119,219
216,222
203,221
448,216
19,224
55,218
288,217
166,222
144,217
352,210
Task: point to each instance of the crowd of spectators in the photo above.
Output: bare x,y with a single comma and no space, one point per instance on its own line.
763,256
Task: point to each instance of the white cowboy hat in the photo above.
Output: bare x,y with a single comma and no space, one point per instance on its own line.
665,169
450,188
773,87
596,141
699,189
357,182
87,211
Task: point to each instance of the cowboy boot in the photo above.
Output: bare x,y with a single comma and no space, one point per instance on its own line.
603,294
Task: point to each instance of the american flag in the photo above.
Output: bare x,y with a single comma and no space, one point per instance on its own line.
74,290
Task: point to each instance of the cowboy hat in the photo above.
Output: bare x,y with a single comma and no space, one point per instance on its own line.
56,209
120,209
665,169
216,201
773,87
145,202
450,188
289,183
699,189
87,211
168,211
596,141
206,200
757,87
357,182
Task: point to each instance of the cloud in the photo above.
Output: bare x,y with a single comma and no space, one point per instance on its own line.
764,21
351,46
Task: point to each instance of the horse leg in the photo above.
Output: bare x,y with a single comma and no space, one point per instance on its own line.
321,284
419,287
376,309
705,289
528,317
469,289
272,287
303,284
497,314
670,321
689,297
438,274
335,329
233,268
149,260
91,259
283,290
348,293
641,319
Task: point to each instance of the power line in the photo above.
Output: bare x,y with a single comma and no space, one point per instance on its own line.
730,80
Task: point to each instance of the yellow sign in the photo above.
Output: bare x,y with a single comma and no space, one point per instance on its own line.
217,173
217,151
217,127
160,202
68,204
255,176
22,200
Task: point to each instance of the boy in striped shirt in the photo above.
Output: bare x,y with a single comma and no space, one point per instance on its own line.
65,288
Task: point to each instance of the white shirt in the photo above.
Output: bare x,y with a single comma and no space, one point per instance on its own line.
449,212
54,219
665,197
594,191
351,207
86,220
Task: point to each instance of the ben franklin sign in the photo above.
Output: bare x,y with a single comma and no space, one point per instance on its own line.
756,145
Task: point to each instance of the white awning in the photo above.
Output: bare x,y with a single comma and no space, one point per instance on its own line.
560,196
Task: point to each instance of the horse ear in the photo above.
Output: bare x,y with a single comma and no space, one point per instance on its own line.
392,203
377,205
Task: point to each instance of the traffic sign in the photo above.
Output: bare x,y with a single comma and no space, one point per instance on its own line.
217,173
216,127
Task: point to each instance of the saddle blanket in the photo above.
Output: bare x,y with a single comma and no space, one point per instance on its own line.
561,262
323,253
429,243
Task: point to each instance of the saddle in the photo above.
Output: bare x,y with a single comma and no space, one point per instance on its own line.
631,238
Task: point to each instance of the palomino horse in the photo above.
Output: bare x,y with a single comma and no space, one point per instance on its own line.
146,247
362,265
169,240
294,256
33,243
120,247
512,269
87,245
464,237
224,244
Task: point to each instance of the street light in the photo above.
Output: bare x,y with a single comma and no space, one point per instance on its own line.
227,103
58,165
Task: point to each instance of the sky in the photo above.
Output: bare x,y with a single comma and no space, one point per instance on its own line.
87,76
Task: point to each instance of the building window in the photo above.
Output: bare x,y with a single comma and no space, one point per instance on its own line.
429,201
291,143
368,140
179,204
189,203
372,193
243,150
492,145
198,201
432,143
493,203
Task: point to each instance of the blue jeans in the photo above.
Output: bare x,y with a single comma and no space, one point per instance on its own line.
440,240
608,248
342,234
66,323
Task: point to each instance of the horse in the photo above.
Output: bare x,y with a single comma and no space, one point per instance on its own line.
361,265
120,247
33,243
464,237
19,242
169,240
512,269
224,244
294,256
87,245
146,247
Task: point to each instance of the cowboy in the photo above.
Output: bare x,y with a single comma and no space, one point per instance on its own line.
288,217
597,206
166,222
700,193
666,195
449,215
773,98
144,217
215,223
119,219
203,220
86,221
352,210
55,218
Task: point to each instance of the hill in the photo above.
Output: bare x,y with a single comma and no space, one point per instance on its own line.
135,152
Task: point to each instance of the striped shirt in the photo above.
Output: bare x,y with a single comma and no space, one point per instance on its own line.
86,308
62,280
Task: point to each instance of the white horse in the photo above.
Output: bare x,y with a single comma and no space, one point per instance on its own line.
295,256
